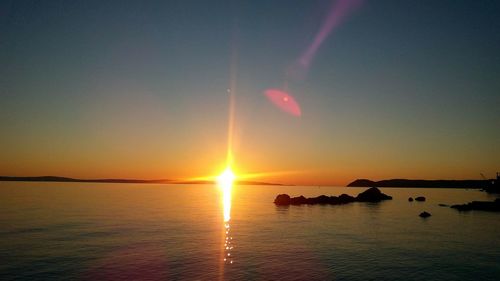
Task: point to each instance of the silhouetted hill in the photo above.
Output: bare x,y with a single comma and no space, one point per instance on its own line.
420,183
65,179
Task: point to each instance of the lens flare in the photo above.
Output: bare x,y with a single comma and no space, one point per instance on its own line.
284,101
225,182
338,12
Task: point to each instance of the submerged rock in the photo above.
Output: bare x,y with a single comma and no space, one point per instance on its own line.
370,195
443,205
425,215
493,206
420,198
410,199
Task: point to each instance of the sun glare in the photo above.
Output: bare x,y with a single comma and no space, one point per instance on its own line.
226,178
225,182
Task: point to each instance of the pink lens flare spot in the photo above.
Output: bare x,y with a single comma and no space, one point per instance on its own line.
283,101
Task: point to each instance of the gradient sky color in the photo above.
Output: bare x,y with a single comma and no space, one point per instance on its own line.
138,89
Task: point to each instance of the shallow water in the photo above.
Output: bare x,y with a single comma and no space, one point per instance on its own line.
61,231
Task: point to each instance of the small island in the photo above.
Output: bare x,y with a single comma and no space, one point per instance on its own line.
478,184
493,206
372,195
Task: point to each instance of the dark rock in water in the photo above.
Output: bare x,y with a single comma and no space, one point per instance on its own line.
282,199
424,215
410,199
372,195
298,200
345,198
333,200
322,199
443,205
311,201
420,198
493,206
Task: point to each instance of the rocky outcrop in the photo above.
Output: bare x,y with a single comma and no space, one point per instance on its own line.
493,206
282,199
370,195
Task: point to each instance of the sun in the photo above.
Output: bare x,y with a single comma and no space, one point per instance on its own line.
226,178
225,182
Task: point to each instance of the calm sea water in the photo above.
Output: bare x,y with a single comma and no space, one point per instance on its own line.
72,231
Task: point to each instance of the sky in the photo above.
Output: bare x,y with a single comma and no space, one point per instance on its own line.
138,89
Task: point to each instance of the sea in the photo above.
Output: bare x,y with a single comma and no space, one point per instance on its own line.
104,231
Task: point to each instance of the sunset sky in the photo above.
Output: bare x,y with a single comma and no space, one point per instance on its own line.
133,89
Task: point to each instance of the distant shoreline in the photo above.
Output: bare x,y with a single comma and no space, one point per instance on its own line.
159,181
473,184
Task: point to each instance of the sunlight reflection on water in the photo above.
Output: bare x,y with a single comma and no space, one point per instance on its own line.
225,183
70,231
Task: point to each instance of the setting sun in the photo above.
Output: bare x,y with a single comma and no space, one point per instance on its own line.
226,178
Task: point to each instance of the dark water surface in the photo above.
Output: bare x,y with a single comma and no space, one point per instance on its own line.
75,231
